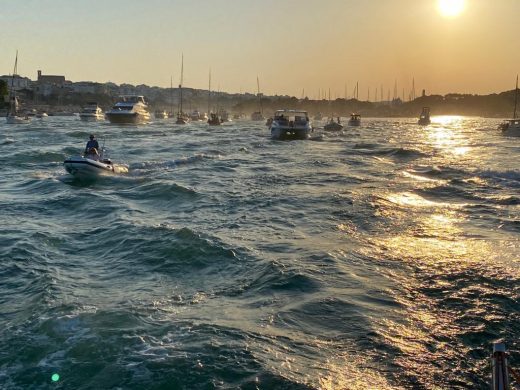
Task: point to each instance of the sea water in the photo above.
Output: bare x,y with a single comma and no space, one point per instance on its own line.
382,256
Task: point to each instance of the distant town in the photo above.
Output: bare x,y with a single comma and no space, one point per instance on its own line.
57,95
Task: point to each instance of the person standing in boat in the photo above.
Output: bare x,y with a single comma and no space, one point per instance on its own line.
92,147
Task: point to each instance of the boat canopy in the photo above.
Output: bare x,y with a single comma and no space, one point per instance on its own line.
291,115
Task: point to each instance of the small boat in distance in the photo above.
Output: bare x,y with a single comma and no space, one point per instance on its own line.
355,120
182,118
511,127
195,116
333,126
257,116
424,118
290,124
12,117
91,112
224,116
160,114
131,109
41,115
214,120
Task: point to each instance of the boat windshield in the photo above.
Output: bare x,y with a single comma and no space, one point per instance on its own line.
132,99
288,116
123,108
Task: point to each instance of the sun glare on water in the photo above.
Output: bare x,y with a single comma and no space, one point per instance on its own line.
451,8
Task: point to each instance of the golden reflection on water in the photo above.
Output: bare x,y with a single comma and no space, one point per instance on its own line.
446,134
353,372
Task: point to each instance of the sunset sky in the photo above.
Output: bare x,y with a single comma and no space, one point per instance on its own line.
290,44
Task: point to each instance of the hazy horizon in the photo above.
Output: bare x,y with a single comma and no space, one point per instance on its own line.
290,45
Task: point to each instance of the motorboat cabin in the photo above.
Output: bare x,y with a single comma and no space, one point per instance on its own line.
91,112
290,124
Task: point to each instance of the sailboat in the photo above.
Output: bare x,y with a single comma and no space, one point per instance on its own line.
512,126
424,118
12,115
182,118
333,126
214,119
258,115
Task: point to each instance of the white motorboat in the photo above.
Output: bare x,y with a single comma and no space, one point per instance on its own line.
12,117
424,118
355,120
91,112
290,124
131,109
333,126
511,127
91,166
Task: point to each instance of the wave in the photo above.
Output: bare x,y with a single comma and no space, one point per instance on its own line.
151,165
37,157
7,141
401,153
512,176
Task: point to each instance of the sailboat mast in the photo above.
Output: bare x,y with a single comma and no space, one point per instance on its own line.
12,96
180,85
259,97
15,70
209,93
516,97
171,95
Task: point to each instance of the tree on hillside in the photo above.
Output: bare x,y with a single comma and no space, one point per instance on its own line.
3,92
3,88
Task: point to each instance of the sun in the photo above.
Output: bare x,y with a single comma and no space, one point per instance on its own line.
451,8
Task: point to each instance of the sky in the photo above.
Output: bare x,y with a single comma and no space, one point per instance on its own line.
295,47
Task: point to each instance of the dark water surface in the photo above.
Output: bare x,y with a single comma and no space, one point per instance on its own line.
385,256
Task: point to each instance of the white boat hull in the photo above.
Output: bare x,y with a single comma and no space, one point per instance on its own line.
17,120
287,132
133,118
91,117
82,167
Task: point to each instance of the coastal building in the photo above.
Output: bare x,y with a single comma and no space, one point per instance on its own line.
50,79
47,85
17,82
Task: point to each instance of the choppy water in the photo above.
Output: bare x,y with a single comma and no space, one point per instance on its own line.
385,256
